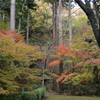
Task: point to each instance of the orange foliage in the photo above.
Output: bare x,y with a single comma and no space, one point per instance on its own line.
65,78
61,51
12,48
4,92
61,78
77,57
93,61
15,36
54,63
81,54
78,64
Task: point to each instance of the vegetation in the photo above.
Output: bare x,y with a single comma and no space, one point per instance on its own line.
33,95
32,55
15,57
40,92
61,97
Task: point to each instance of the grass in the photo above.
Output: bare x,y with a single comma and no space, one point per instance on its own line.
62,97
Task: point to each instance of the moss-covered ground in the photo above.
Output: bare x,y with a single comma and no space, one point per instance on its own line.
63,97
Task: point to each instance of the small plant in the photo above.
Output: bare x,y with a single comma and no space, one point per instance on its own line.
40,92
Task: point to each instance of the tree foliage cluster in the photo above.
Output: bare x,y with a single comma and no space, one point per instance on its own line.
15,59
81,63
41,23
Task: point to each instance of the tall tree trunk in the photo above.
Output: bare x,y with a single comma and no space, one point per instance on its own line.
54,21
60,23
70,23
12,15
60,43
71,86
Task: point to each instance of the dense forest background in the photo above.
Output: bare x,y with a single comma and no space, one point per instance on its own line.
55,43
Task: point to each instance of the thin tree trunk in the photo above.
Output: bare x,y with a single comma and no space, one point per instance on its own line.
20,19
61,87
0,14
27,35
53,21
19,26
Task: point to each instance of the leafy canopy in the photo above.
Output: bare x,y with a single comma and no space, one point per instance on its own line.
15,59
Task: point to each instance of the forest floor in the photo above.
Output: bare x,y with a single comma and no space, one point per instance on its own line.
55,96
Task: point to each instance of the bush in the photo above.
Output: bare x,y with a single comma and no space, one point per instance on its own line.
28,96
35,95
11,96
40,92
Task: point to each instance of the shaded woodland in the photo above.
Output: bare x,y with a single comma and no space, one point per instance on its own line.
49,45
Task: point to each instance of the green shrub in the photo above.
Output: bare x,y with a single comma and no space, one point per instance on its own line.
40,92
11,96
35,95
28,96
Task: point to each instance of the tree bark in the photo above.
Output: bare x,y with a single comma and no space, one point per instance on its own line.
92,18
60,24
96,71
54,21
20,19
70,23
27,35
12,15
61,87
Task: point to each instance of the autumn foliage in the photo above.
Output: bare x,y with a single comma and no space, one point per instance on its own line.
12,34
15,59
81,62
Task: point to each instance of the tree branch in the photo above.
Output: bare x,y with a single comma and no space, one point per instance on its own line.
92,18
